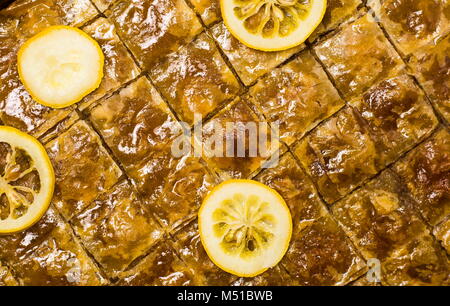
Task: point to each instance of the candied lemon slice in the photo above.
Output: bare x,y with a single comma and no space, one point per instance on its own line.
60,65
272,25
245,227
27,180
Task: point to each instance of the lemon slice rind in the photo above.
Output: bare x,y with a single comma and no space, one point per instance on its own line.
278,43
271,256
43,166
78,56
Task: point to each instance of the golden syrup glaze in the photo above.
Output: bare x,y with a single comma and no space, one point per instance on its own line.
339,155
398,115
425,171
248,63
21,20
117,228
140,129
379,217
442,233
209,10
420,262
355,62
338,11
413,23
83,168
119,66
161,267
289,180
432,65
235,166
152,29
195,79
322,254
6,278
54,260
190,249
297,96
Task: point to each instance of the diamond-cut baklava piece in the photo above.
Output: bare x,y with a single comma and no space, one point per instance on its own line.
14,245
379,217
420,262
154,28
432,65
276,276
83,168
195,79
442,233
209,10
138,127
321,254
426,172
119,65
133,122
117,228
289,180
297,96
358,56
161,267
6,278
398,115
36,15
238,150
413,23
339,154
338,11
249,63
58,260
191,251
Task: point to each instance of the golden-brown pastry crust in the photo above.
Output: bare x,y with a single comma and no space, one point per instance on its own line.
431,65
339,155
58,260
297,96
413,23
420,262
119,65
356,62
140,129
195,79
426,172
154,28
236,166
191,251
6,278
83,168
209,10
321,254
379,217
117,228
161,267
248,63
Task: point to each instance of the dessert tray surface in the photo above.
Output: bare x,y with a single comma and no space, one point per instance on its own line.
363,109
